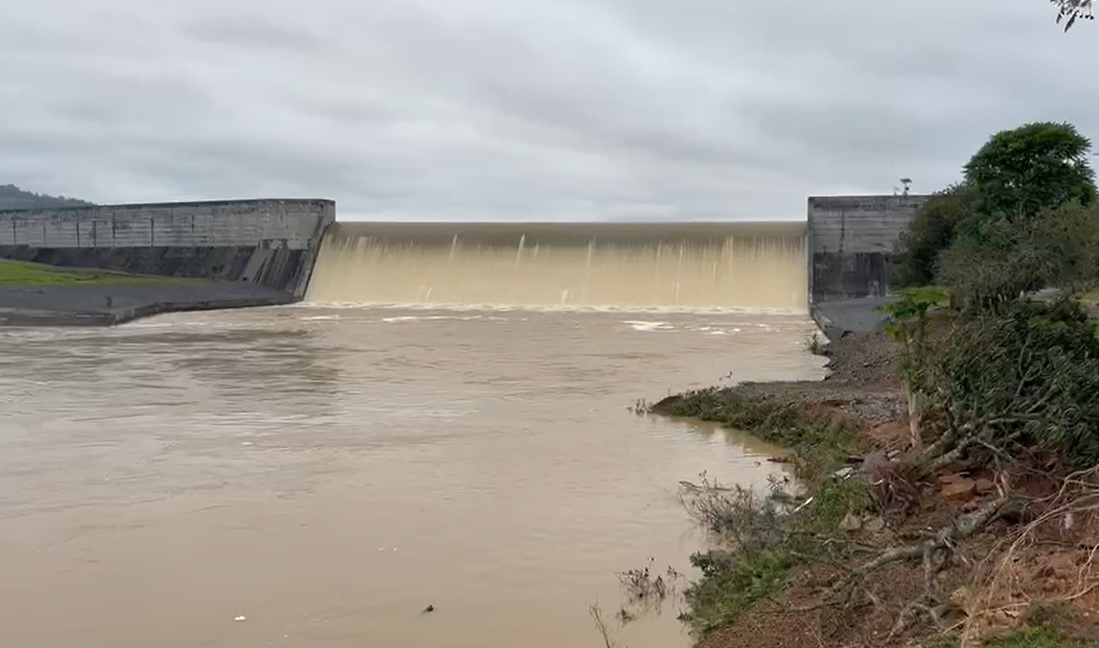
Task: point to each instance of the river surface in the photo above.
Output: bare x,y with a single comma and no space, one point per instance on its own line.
317,476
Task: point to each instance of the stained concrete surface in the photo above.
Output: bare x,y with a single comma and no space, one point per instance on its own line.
104,305
850,314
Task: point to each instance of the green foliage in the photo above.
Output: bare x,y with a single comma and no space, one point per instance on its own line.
729,588
19,273
1000,259
767,538
937,296
907,323
1068,240
1025,377
932,230
994,269
988,234
1037,166
832,500
1040,636
781,423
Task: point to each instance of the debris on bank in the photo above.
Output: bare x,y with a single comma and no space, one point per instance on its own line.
876,550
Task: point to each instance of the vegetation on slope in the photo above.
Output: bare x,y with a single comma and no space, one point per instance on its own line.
959,521
21,273
12,197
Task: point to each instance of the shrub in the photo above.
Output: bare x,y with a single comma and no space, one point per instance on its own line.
1023,378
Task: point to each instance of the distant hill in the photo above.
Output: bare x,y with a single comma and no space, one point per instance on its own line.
12,197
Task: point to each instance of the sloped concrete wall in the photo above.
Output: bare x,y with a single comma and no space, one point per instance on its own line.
851,243
268,242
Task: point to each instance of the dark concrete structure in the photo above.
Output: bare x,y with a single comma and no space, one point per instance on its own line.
107,304
851,240
251,252
269,243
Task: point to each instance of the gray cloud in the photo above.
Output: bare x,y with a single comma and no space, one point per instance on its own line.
471,109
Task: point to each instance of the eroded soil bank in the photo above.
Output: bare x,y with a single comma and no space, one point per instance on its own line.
1023,579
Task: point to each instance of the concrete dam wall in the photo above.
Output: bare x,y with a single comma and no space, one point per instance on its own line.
752,266
843,252
271,243
851,241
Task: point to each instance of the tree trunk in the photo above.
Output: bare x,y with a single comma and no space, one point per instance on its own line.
915,418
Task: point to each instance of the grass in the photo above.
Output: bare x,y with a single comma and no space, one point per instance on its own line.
728,589
820,439
1040,636
937,295
1090,298
23,273
766,538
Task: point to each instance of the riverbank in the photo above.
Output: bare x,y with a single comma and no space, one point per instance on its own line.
816,577
37,295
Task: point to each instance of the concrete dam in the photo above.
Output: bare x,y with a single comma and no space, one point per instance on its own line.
684,265
270,243
841,251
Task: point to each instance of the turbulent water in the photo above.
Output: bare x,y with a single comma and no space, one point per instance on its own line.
318,475
686,266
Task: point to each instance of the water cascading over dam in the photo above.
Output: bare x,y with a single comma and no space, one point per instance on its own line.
752,266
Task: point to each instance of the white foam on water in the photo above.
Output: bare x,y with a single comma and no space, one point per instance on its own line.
648,327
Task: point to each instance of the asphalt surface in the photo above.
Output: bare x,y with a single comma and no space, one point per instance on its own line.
851,314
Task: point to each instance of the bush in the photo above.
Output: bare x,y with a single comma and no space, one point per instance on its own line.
994,261
765,536
1020,379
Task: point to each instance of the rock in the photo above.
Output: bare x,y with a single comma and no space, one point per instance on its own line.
874,524
959,598
874,462
430,608
850,522
963,489
844,473
985,485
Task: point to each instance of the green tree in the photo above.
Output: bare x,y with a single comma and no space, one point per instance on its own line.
1001,260
1021,171
932,230
907,323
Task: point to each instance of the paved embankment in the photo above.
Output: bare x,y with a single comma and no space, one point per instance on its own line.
106,304
849,315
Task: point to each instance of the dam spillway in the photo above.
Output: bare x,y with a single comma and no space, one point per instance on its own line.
736,266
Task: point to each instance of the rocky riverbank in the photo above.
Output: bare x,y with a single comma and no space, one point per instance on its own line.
881,551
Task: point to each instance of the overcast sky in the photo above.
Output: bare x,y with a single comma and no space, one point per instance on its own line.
516,109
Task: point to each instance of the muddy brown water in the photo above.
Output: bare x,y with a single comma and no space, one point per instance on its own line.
318,475
327,473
